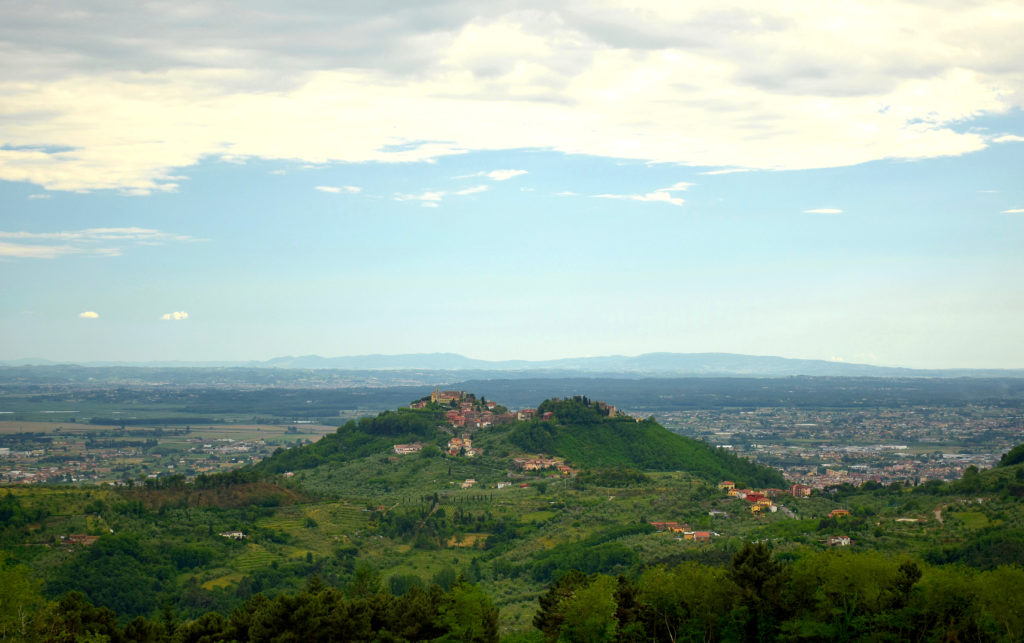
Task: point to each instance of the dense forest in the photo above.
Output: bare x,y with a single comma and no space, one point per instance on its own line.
827,596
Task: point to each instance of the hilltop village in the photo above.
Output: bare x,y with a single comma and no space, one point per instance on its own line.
469,414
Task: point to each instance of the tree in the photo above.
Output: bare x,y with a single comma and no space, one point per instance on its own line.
469,615
549,616
589,616
758,577
688,602
74,618
19,599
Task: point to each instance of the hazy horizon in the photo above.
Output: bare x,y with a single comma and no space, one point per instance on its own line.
567,363
513,181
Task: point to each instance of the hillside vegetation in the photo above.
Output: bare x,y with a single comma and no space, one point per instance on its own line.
633,541
581,431
585,435
358,439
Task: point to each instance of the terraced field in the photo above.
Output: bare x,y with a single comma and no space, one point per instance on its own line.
329,517
254,556
223,581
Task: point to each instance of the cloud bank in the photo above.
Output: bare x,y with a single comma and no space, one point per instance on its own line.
50,245
116,95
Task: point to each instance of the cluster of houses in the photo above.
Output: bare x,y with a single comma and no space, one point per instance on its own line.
684,529
759,500
763,500
476,414
468,417
541,462
456,446
472,413
463,446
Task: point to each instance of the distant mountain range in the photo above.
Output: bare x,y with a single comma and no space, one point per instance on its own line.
648,364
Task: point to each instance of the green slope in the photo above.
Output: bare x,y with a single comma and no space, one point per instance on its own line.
358,439
585,434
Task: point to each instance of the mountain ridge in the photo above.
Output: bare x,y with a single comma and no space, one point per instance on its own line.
656,363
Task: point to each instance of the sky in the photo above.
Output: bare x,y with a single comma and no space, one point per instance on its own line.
214,180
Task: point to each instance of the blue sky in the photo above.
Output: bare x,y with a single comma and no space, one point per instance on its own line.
812,181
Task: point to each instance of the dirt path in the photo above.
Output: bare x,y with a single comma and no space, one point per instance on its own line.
938,514
437,505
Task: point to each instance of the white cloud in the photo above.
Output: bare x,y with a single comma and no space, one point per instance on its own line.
653,197
26,251
175,316
432,199
31,244
89,104
504,175
347,189
682,186
89,314
494,175
1009,138
426,196
661,195
39,196
1014,211
824,211
733,170
102,234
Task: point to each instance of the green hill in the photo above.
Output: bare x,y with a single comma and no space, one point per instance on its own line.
358,439
587,434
